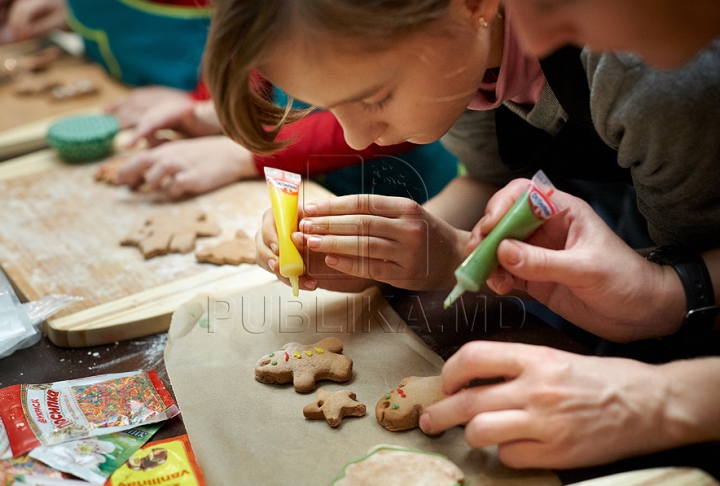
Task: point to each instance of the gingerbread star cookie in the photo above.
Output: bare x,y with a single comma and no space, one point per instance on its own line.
401,408
398,466
303,365
334,406
240,249
176,233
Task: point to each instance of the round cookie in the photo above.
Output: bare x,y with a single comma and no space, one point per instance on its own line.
401,408
397,466
83,138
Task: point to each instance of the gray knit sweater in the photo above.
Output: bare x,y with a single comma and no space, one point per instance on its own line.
665,126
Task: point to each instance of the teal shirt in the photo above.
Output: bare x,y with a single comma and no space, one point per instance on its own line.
141,42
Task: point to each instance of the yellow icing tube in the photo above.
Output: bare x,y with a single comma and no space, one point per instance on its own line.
284,187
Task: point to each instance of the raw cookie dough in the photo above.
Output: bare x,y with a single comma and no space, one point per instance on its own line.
334,406
240,249
175,233
401,408
397,466
305,364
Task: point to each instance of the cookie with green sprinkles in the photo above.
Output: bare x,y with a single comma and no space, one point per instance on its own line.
83,138
401,408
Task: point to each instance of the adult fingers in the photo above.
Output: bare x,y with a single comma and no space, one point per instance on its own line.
500,203
483,359
537,264
465,405
498,427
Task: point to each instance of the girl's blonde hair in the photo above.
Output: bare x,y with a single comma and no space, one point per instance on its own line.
242,31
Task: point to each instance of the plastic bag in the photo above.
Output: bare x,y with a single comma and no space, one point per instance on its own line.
20,323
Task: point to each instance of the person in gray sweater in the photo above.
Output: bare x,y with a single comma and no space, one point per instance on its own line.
564,410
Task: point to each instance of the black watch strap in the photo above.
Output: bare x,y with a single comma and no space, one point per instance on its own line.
696,282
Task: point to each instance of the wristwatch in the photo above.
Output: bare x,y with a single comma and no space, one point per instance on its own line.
698,287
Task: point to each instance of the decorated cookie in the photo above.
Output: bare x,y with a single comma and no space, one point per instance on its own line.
305,364
334,406
397,466
240,249
401,408
175,233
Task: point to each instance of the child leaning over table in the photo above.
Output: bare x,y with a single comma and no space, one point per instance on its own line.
144,56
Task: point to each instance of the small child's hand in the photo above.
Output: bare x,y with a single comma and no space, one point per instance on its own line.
388,239
189,167
131,107
317,273
28,19
181,117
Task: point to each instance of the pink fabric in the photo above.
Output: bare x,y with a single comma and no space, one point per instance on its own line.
520,80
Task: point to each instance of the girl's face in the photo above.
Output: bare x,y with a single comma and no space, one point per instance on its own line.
660,31
413,91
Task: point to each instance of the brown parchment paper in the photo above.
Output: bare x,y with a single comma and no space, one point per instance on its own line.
248,433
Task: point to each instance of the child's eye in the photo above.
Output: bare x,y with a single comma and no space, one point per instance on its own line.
377,105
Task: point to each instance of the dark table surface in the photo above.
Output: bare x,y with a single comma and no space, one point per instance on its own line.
478,317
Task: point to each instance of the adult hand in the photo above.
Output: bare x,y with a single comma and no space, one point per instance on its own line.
189,167
560,410
28,19
386,239
580,269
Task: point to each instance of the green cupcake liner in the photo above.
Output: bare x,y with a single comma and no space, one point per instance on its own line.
83,138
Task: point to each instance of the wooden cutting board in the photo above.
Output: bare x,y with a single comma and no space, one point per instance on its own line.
60,232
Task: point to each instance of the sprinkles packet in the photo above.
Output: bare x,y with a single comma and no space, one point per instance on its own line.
5,452
15,470
94,459
169,462
54,413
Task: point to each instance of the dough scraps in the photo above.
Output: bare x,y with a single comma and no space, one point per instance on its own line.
174,233
240,249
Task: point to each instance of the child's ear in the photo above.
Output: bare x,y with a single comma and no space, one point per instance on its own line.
481,12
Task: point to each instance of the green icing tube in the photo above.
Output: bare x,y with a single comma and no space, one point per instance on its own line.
525,216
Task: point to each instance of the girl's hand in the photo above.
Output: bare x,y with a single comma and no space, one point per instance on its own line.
386,239
580,269
317,273
189,167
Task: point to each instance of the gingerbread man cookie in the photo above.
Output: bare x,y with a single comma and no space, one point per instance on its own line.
401,408
334,406
305,364
174,233
398,466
